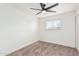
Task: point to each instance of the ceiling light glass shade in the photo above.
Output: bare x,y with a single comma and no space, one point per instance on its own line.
43,11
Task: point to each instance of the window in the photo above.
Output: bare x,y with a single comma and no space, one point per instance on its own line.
54,24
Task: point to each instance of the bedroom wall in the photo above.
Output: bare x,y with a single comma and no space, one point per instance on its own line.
65,36
77,28
16,29
77,32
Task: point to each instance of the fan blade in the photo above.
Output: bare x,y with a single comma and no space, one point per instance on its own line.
52,6
50,11
39,12
42,6
35,9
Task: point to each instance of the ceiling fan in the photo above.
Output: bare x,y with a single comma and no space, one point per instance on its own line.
43,9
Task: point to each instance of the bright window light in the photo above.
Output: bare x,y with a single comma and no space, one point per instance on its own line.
54,24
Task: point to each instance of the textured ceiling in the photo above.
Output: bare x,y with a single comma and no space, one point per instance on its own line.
25,7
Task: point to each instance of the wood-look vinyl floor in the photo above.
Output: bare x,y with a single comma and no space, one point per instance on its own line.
45,49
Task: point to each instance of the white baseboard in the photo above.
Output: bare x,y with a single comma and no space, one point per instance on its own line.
4,54
57,43
77,49
19,48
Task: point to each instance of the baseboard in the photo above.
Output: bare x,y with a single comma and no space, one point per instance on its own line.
2,54
57,43
77,49
30,44
21,47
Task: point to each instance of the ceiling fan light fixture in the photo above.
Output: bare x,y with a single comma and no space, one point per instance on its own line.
44,9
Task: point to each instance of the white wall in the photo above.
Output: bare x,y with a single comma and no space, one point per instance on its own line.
77,28
16,29
77,32
66,36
